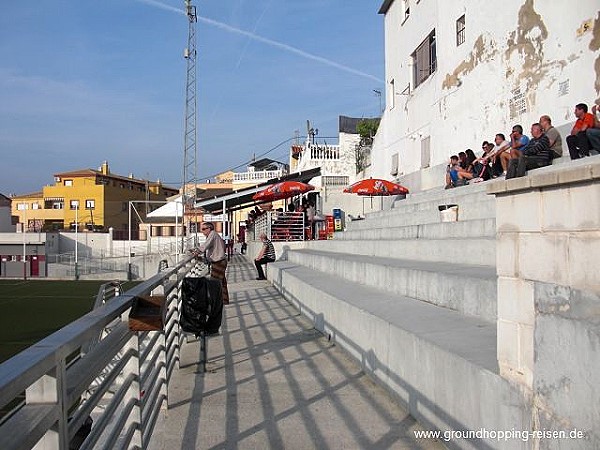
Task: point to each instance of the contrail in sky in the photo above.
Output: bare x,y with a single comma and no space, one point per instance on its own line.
272,43
237,66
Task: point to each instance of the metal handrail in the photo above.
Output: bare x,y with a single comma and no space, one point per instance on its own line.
119,379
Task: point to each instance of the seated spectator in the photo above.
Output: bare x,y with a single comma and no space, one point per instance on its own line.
462,160
452,172
577,142
481,165
553,136
518,141
467,173
487,148
470,158
266,255
501,145
593,134
536,154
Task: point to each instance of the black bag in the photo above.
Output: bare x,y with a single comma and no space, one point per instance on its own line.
81,434
201,305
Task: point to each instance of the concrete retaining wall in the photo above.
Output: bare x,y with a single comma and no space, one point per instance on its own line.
548,254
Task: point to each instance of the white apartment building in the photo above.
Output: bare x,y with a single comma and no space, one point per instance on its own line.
337,162
459,71
338,165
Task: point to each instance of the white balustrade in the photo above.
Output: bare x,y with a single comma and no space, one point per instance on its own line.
256,176
326,152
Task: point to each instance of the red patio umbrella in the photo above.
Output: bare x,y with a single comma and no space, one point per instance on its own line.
281,190
372,187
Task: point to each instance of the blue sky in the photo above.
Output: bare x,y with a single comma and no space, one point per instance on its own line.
83,82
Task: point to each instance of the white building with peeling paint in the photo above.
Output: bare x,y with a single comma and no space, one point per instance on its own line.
460,71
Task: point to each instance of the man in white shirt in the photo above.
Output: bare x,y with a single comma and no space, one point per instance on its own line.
501,146
214,249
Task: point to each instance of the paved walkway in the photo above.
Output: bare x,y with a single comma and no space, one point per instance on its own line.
273,382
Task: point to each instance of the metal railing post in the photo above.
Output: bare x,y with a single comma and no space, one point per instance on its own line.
178,341
49,390
134,391
304,233
164,391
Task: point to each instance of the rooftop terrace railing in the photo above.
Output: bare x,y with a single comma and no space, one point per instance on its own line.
95,368
255,176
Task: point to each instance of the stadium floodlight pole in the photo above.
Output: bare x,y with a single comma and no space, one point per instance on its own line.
188,189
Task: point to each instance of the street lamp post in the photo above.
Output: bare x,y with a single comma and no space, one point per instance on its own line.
24,243
378,94
129,274
177,229
76,239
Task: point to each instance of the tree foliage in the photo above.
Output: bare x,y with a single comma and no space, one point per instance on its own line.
367,128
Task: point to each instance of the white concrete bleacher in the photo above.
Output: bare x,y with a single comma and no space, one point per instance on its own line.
408,251
414,300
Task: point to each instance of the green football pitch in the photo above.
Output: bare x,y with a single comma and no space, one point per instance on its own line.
33,309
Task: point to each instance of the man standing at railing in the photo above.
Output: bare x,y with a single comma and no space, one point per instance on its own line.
214,250
266,255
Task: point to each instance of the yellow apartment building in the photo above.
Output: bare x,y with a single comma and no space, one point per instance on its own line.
95,199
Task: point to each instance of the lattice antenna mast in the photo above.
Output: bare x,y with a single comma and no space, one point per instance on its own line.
191,135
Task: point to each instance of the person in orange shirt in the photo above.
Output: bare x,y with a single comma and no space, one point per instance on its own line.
578,143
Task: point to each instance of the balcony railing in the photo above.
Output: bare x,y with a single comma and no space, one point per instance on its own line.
335,180
326,152
251,177
97,368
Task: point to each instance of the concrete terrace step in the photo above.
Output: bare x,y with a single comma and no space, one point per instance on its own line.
468,289
439,193
466,197
441,230
476,251
467,337
469,208
437,361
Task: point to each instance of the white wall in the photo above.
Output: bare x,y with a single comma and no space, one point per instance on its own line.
537,47
5,222
348,143
548,252
344,165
